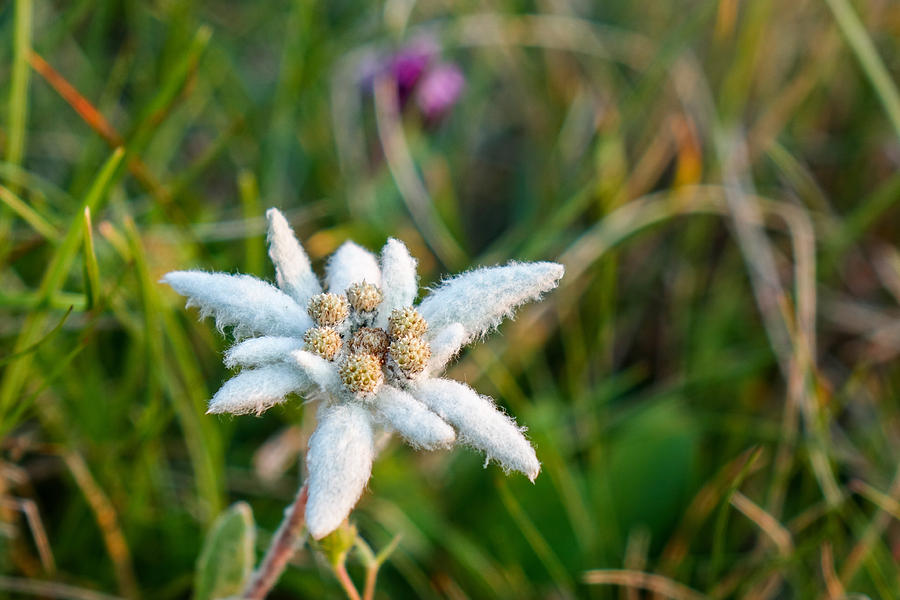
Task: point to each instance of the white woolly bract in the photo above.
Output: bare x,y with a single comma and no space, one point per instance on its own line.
256,390
351,264
482,298
399,282
322,372
479,423
293,272
410,418
444,346
250,304
261,351
339,461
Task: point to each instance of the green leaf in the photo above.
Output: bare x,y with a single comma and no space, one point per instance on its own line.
227,558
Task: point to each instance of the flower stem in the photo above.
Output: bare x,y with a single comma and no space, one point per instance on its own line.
340,570
280,551
371,578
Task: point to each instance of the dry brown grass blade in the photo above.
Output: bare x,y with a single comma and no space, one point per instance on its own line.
833,586
776,532
108,521
82,106
87,111
703,504
887,507
50,589
643,581
36,525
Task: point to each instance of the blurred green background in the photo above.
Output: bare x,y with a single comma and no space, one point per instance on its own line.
712,390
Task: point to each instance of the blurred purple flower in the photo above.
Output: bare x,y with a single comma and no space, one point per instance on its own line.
408,64
439,90
415,70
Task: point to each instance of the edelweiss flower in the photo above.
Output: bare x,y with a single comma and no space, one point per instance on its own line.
371,356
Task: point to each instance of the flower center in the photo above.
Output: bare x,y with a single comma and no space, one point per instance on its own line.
367,356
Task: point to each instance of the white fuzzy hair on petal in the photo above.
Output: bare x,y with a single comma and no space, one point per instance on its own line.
399,282
339,461
293,271
251,305
257,390
351,264
322,372
263,350
444,346
399,411
480,424
482,298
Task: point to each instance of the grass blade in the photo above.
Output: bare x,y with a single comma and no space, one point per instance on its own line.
38,343
91,268
868,58
16,373
28,214
17,117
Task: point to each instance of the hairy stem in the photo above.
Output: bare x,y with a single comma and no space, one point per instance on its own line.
280,551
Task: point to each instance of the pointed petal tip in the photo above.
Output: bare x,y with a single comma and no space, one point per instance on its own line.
172,277
553,271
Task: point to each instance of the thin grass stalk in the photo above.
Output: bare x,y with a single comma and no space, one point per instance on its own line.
864,49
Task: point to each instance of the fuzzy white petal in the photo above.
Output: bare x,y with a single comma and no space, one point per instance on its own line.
322,372
399,282
351,264
482,298
411,419
256,390
293,272
250,304
262,351
479,423
444,346
339,461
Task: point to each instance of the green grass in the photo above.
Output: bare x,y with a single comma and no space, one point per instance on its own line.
712,391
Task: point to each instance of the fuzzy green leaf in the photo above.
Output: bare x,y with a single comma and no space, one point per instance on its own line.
227,558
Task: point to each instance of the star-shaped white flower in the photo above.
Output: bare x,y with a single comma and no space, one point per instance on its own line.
371,356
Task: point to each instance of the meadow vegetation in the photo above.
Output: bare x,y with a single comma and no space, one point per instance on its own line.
712,391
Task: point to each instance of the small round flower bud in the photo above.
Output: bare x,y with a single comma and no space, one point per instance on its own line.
411,354
364,297
324,341
405,322
361,373
370,340
328,309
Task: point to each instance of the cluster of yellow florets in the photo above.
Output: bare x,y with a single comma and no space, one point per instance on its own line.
328,310
364,297
324,341
361,373
406,322
408,352
411,354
